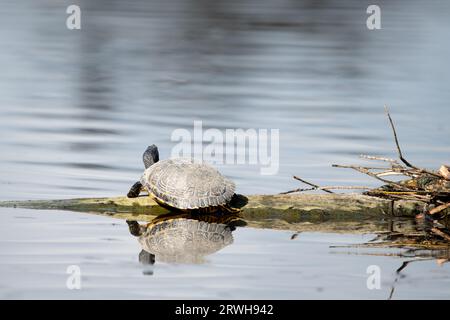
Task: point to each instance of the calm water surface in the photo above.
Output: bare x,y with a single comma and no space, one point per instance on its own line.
77,109
38,246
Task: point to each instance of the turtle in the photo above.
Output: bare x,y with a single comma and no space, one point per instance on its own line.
183,184
184,237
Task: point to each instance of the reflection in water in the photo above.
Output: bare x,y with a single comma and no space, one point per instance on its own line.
441,256
403,239
185,237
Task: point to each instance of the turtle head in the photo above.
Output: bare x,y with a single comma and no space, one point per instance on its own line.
150,156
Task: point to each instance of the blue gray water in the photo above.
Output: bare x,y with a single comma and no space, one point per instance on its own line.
37,247
77,108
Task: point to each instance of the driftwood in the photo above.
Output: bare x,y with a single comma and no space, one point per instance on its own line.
299,212
313,206
393,221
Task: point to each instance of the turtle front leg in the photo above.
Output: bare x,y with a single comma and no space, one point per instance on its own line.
135,190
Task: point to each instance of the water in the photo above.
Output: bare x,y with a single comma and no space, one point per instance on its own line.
38,246
77,108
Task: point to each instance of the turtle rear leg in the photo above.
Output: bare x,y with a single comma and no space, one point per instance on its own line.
135,190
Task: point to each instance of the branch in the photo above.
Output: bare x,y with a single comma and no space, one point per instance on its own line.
327,188
392,161
440,208
311,184
366,171
400,155
440,233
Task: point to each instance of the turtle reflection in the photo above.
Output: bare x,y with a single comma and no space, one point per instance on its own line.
184,237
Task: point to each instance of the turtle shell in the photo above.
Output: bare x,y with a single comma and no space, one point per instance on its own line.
185,184
185,240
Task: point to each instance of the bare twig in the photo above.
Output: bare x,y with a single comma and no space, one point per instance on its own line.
440,233
400,155
444,171
440,208
345,188
295,235
397,277
400,195
391,173
368,157
298,190
366,171
324,188
431,173
311,184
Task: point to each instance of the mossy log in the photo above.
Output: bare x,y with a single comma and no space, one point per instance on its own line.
305,212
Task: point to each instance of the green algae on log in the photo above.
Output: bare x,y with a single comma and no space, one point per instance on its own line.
343,213
290,208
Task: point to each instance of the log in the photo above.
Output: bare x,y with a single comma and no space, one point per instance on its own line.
305,212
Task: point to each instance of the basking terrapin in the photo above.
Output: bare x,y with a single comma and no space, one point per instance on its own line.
184,238
183,184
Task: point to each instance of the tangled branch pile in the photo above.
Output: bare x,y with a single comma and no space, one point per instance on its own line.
430,187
